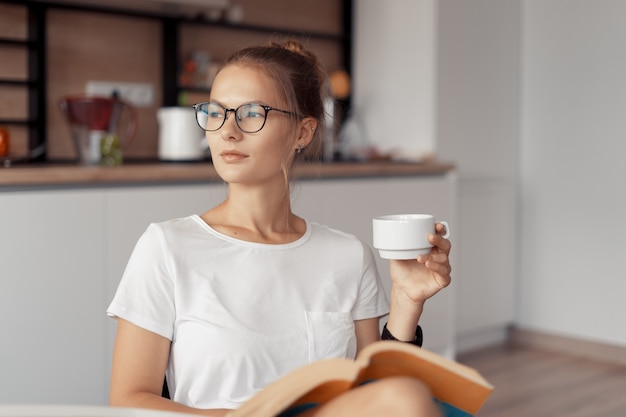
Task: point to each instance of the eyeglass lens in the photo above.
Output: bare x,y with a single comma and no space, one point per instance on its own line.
249,117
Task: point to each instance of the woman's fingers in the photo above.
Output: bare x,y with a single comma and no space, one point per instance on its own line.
433,257
439,242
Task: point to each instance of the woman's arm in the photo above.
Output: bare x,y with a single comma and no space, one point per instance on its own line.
367,331
139,361
414,282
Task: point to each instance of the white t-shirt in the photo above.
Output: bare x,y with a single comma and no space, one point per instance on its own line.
242,314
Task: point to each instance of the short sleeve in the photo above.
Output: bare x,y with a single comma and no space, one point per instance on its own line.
372,301
145,295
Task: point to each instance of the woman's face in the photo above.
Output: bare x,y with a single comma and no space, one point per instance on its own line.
258,157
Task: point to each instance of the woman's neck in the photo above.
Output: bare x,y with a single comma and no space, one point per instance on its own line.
257,215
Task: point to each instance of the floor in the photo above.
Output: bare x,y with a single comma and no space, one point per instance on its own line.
533,383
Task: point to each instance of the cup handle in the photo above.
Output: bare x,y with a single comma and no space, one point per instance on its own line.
445,224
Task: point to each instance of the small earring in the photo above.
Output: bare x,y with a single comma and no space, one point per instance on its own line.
313,129
299,148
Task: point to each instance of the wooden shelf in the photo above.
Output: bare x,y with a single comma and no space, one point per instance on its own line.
23,122
35,78
19,83
17,42
265,29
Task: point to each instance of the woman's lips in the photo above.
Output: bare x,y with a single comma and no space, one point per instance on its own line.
231,156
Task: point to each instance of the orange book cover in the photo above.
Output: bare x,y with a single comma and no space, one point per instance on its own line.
460,389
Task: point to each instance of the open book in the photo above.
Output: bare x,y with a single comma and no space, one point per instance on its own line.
459,389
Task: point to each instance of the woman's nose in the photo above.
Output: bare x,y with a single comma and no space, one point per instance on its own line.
230,130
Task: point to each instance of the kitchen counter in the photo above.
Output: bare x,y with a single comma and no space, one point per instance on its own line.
160,172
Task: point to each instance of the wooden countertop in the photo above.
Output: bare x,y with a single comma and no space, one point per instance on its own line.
161,173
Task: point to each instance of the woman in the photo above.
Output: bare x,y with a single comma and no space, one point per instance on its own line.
226,302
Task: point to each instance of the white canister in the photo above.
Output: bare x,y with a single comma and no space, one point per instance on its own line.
180,137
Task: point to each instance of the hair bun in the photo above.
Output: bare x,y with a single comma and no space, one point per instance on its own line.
295,47
291,45
309,58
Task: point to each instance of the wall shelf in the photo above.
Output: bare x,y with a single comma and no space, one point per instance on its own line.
19,83
36,83
35,80
23,122
18,42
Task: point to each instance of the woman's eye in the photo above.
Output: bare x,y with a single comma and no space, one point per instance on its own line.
253,112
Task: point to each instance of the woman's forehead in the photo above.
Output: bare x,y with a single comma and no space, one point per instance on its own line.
237,84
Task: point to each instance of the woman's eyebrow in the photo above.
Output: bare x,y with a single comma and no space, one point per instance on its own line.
261,102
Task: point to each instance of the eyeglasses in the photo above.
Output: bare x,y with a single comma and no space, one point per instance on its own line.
250,118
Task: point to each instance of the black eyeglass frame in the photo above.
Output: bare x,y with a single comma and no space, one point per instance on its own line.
234,111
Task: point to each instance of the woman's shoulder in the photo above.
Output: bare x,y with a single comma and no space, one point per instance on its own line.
180,227
190,221
338,242
328,232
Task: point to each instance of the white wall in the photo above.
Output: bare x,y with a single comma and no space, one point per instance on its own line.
572,280
394,77
530,103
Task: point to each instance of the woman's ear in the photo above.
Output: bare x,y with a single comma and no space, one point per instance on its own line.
306,132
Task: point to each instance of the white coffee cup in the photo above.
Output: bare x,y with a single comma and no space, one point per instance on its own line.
404,236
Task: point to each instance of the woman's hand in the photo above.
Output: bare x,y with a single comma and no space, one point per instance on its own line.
414,282
420,279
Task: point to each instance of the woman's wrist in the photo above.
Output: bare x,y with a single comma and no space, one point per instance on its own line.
402,305
404,315
417,339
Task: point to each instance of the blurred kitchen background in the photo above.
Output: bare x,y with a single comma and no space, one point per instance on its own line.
525,98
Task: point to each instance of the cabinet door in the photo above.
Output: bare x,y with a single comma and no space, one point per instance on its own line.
487,212
350,205
51,297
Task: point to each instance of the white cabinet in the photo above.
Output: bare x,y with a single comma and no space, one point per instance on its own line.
51,297
63,253
486,244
